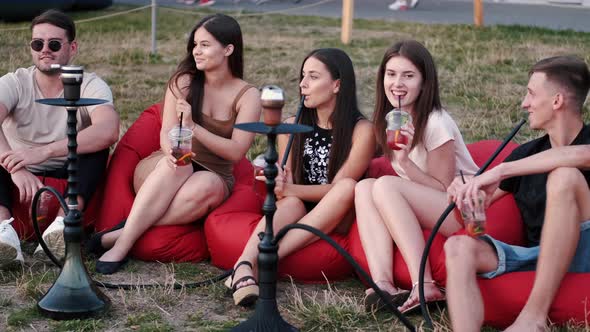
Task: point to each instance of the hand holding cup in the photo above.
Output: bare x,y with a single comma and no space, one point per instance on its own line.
181,144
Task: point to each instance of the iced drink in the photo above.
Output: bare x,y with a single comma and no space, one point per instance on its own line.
181,142
395,137
474,219
259,185
396,120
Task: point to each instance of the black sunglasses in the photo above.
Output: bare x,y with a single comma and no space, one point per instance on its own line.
54,45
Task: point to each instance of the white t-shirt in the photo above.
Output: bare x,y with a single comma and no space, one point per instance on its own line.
440,129
30,124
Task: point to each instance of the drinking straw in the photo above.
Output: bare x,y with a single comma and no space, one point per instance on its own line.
399,99
179,130
463,179
290,142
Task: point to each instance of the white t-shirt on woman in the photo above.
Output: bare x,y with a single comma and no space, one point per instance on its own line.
440,129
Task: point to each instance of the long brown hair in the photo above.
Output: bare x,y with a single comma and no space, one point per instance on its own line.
428,100
343,119
225,30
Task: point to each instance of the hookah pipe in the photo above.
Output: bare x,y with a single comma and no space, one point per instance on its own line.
72,78
282,232
291,137
425,314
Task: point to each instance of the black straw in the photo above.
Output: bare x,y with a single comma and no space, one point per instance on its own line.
463,179
179,130
290,142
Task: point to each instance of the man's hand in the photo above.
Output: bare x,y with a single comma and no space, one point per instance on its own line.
14,160
487,182
27,184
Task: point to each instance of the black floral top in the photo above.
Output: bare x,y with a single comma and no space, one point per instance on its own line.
316,155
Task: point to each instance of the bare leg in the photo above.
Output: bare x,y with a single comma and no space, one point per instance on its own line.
375,238
568,204
150,204
202,192
329,212
325,216
289,211
465,257
401,204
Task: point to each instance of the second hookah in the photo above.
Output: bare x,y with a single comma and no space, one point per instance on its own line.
267,316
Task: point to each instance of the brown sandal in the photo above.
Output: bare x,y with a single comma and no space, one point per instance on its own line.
246,295
374,302
432,303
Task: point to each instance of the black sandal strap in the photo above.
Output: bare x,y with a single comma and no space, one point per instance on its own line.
242,279
247,263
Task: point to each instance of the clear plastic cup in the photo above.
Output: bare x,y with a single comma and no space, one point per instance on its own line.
43,206
474,219
396,120
182,144
259,185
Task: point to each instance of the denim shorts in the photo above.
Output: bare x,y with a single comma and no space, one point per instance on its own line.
515,258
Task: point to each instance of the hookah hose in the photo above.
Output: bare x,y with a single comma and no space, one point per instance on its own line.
55,261
346,255
288,148
441,219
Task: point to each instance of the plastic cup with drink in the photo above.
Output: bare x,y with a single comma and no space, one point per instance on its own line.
182,144
396,120
474,218
259,184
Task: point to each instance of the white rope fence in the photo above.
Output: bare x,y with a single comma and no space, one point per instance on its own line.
183,11
88,19
153,6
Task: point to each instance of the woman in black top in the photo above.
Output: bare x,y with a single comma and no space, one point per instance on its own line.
317,186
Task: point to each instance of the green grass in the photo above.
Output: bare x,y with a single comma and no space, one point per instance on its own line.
482,74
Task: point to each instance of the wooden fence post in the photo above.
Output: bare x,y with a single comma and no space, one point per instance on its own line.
347,15
477,13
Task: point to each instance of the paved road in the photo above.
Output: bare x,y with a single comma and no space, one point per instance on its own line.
428,11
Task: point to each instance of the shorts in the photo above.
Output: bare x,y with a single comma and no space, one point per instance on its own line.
515,258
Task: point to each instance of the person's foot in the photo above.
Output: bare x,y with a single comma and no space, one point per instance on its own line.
399,5
243,271
432,294
110,262
10,251
373,302
527,324
385,286
244,287
413,3
54,239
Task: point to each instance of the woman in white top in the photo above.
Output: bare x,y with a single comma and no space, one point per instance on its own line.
398,207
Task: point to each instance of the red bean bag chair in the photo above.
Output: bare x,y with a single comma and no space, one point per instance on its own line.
503,220
21,212
178,243
228,227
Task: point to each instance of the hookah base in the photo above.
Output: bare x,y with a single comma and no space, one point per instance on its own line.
265,318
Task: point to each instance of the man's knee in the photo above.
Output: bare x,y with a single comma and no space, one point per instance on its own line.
563,179
460,249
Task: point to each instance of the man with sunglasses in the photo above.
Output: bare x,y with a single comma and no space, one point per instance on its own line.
33,143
